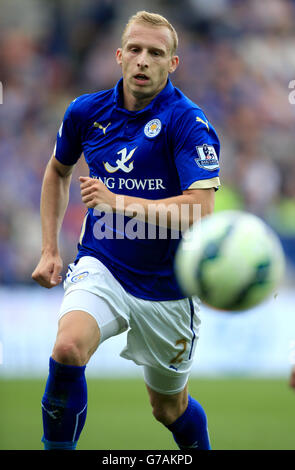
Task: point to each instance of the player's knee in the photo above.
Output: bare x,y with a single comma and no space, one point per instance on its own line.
162,414
68,351
167,413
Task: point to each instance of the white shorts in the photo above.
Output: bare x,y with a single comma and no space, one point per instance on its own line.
161,336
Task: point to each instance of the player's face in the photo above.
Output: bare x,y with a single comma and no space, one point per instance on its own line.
146,61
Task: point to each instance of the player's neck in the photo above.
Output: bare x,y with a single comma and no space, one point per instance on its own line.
136,103
133,103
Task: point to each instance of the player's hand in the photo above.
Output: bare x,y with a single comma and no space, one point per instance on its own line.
94,193
47,272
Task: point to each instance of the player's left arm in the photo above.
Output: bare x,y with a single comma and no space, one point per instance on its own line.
204,197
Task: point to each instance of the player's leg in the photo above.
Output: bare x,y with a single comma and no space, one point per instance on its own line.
64,404
163,337
182,415
77,338
168,408
91,312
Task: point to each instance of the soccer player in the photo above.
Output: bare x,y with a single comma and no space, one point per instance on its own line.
147,146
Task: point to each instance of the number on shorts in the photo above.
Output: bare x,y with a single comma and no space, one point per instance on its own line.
178,358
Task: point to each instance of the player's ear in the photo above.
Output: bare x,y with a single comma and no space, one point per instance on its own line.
119,56
174,62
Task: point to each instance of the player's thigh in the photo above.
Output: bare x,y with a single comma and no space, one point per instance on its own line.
86,320
78,337
90,287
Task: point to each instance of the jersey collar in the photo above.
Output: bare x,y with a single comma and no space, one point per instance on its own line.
156,102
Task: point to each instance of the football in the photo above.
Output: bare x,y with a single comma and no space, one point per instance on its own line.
231,260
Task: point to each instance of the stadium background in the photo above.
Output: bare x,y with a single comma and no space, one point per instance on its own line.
237,61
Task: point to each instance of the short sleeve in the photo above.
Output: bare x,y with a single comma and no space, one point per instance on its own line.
68,146
196,151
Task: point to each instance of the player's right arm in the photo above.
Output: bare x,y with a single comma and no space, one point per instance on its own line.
55,194
54,201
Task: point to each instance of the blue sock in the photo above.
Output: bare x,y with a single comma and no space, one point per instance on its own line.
190,429
64,406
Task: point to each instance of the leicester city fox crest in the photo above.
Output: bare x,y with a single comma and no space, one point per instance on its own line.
207,157
153,128
79,277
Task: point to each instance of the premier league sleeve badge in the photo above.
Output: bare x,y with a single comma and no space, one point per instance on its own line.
207,157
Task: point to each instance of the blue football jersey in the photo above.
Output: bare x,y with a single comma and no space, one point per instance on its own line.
155,153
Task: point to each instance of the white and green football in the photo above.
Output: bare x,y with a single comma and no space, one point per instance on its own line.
231,260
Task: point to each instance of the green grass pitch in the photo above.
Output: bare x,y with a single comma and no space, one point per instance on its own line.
242,414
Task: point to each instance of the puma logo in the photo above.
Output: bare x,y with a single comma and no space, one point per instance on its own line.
198,119
99,126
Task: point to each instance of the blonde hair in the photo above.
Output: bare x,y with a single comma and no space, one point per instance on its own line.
153,19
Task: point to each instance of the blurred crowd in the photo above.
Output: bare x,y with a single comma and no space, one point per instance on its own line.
237,62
